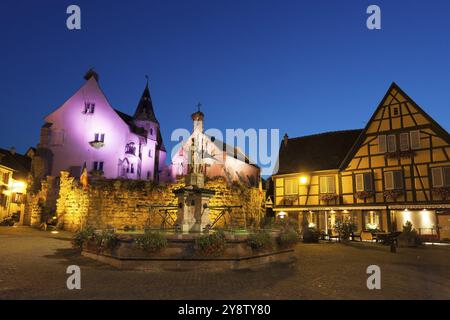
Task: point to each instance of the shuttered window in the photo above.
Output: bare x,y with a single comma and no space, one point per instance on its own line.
438,179
327,185
393,180
391,143
368,182
389,180
446,172
398,180
404,141
290,186
359,182
363,182
441,177
415,139
382,144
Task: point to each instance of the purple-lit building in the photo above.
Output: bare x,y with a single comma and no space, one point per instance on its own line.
87,131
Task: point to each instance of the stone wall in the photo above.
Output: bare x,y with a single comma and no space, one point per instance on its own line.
120,203
41,204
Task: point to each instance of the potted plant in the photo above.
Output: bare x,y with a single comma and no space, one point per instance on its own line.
409,236
345,229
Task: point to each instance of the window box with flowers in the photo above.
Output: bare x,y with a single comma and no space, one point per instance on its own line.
327,197
289,200
442,192
393,194
363,195
400,154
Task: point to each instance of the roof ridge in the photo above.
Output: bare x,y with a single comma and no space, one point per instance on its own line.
326,133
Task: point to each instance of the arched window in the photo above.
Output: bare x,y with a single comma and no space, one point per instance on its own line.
130,148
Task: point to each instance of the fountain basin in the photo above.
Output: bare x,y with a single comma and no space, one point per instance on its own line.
180,254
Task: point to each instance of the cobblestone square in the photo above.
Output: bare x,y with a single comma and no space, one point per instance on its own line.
33,266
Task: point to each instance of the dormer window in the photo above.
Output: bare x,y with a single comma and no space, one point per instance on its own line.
89,108
130,148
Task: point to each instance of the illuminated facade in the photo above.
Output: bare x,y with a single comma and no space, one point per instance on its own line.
396,169
14,174
217,158
87,132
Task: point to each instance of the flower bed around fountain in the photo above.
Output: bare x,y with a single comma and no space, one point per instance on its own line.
159,251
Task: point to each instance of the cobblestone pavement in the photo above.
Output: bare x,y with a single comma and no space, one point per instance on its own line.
33,266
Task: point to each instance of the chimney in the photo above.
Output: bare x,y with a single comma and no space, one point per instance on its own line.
12,150
285,139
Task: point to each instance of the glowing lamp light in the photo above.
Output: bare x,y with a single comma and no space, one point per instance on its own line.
55,232
311,225
18,186
282,214
303,180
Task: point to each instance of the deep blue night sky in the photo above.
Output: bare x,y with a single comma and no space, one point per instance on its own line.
300,66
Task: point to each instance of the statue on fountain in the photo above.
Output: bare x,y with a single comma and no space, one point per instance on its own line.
193,199
195,176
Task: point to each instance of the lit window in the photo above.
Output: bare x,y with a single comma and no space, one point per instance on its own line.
441,177
290,186
327,184
363,182
5,177
393,180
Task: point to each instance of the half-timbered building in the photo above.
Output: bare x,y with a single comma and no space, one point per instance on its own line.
396,169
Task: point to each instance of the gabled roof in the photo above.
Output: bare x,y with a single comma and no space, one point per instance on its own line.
140,131
436,126
21,164
129,121
144,110
324,151
230,150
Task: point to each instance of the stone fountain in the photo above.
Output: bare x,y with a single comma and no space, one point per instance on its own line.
193,199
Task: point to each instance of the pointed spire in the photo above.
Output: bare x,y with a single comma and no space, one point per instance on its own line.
144,110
